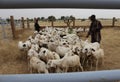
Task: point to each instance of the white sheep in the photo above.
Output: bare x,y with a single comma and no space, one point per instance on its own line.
46,54
61,50
35,47
23,46
99,56
66,62
32,53
38,65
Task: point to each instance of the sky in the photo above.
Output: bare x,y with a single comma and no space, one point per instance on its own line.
78,13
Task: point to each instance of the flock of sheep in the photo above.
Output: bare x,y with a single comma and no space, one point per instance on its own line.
54,50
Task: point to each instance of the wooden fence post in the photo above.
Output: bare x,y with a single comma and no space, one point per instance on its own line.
23,24
73,23
28,24
113,21
12,26
52,23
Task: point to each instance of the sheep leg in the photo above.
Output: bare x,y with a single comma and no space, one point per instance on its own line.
96,64
102,60
81,67
28,66
46,71
91,65
65,69
31,70
74,69
83,61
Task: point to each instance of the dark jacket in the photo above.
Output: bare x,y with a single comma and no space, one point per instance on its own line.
94,31
37,27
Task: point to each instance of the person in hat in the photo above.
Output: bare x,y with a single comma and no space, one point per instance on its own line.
94,29
36,25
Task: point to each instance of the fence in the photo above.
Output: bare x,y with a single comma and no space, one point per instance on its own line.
82,23
11,28
17,27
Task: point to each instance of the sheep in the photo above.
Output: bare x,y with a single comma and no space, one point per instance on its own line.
57,48
24,47
87,47
46,55
35,47
69,53
32,53
95,45
53,69
61,50
77,49
52,45
56,56
98,55
37,64
66,62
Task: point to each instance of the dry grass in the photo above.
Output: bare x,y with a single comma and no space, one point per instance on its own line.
13,62
107,22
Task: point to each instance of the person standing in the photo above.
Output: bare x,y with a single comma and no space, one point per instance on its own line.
36,25
95,29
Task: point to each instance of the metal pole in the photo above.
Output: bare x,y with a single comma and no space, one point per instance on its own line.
96,4
93,76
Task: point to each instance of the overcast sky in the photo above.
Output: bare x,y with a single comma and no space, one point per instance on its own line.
78,13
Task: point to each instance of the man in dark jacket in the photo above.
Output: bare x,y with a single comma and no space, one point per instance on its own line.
36,25
94,30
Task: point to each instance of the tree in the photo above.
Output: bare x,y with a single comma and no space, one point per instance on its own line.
52,19
31,20
68,20
62,17
8,20
72,18
42,18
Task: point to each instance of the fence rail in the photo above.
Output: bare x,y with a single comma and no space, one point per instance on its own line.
93,76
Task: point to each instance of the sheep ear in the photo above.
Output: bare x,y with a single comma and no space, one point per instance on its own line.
93,49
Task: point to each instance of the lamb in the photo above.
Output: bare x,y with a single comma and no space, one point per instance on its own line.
38,65
66,62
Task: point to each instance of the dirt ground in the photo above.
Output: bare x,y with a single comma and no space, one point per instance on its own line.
13,62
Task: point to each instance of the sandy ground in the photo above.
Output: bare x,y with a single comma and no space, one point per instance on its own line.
13,62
